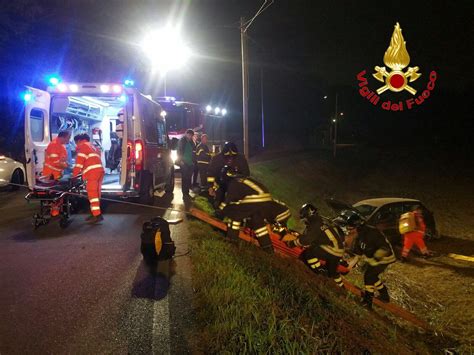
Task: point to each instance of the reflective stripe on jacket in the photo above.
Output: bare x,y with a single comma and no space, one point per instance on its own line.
88,160
55,160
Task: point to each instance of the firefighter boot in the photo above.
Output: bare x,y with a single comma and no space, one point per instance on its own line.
367,299
383,295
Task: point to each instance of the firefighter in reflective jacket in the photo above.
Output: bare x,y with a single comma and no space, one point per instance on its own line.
88,161
323,244
228,157
246,198
55,160
203,157
368,242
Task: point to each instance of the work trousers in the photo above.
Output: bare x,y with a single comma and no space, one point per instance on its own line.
195,174
186,176
258,215
413,238
94,190
372,280
313,256
202,174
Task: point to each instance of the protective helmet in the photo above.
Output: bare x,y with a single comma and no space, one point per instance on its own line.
349,219
227,173
230,149
307,211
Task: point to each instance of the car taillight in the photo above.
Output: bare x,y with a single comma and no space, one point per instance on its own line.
138,155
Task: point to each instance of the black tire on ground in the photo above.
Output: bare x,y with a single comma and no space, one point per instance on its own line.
170,184
17,178
147,193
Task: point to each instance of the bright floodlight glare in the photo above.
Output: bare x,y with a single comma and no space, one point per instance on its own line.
333,120
129,82
165,49
325,97
224,112
117,89
62,87
217,110
74,88
104,88
163,113
208,108
342,113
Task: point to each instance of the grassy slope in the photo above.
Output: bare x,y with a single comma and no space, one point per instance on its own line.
251,302
439,290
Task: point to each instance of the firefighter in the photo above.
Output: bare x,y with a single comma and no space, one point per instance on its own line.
55,161
89,163
203,157
323,244
246,198
369,243
228,157
415,237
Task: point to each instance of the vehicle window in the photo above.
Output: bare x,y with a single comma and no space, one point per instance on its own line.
383,214
37,125
149,122
365,210
396,209
161,128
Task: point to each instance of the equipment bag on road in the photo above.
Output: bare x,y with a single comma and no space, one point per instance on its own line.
156,242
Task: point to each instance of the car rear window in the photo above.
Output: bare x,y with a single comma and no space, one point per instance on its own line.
365,210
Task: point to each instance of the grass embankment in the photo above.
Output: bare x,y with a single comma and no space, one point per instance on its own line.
252,302
249,301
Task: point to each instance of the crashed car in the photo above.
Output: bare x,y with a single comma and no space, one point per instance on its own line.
384,213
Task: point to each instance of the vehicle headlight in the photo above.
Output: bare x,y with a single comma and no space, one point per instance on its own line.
174,156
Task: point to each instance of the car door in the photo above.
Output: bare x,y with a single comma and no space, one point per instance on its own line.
386,220
37,135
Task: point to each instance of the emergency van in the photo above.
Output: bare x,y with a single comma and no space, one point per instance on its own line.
128,127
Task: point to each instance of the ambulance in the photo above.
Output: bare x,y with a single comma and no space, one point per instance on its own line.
128,127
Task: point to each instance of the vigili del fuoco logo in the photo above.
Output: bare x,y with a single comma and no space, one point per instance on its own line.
396,78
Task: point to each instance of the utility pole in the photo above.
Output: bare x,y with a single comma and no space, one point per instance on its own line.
245,87
335,130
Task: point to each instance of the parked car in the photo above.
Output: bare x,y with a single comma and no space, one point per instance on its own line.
11,171
384,213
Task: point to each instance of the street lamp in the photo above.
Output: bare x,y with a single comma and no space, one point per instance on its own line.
165,50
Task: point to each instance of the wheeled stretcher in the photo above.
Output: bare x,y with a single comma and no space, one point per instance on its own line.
57,199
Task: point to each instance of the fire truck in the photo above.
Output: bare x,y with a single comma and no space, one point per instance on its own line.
183,115
137,157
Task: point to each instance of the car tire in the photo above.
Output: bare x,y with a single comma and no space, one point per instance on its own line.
170,184
17,178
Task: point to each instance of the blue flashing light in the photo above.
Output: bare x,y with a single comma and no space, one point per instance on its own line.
54,80
123,98
129,82
27,96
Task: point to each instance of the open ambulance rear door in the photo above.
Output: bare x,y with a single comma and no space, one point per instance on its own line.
37,135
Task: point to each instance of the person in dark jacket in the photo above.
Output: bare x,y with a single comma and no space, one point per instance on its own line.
185,160
228,157
203,158
369,243
246,198
323,244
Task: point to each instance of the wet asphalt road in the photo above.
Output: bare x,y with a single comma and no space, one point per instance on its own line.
85,289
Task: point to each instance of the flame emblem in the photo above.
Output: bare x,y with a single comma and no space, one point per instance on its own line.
396,58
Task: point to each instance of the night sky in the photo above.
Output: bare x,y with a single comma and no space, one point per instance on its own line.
305,50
